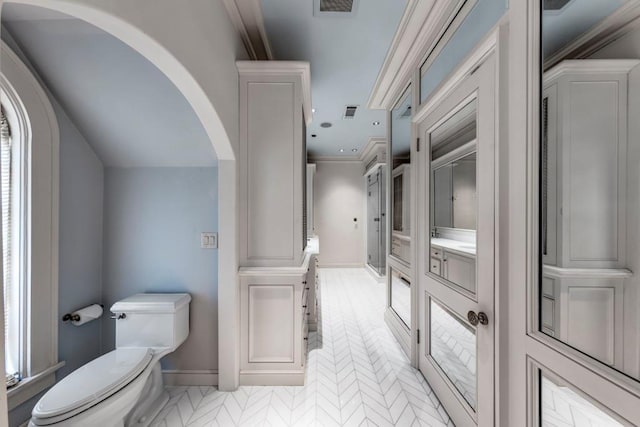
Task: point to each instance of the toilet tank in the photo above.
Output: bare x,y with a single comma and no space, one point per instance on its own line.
158,321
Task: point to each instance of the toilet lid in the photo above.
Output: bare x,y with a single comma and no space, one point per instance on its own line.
93,382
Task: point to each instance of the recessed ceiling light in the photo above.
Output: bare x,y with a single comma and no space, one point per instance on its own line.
313,110
342,150
376,123
355,150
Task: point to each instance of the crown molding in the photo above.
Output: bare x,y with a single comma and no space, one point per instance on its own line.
616,25
247,17
302,69
334,159
590,66
373,143
422,26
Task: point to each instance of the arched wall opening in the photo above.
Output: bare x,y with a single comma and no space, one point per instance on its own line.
219,140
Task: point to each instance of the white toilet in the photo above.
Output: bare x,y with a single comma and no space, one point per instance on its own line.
123,387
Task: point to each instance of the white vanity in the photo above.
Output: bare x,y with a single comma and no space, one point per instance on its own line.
454,260
278,279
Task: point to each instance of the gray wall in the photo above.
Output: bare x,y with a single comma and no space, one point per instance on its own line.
339,197
153,218
80,243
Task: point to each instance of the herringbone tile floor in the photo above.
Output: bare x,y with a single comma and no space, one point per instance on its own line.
357,375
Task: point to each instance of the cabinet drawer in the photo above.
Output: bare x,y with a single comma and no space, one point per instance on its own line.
435,266
436,253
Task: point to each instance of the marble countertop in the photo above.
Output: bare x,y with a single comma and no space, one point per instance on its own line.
465,248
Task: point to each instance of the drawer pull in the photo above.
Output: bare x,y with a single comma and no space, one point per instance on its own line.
304,306
304,283
307,288
305,338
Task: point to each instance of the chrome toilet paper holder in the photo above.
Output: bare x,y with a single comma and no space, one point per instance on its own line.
70,317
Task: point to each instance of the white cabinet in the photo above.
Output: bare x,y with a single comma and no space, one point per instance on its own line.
584,155
587,227
455,266
276,262
311,174
274,108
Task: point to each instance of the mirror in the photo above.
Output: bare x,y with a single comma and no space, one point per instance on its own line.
453,197
589,167
400,284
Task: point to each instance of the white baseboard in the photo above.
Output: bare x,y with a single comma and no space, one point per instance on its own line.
379,278
190,378
357,265
272,378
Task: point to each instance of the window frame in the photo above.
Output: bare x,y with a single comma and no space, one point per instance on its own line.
35,123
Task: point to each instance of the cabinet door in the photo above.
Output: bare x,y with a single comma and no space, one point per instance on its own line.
460,270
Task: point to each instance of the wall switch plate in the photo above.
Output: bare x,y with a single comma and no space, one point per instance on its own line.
209,240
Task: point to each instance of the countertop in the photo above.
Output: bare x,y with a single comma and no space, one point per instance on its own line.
464,248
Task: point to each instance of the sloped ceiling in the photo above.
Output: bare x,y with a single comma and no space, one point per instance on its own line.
126,108
346,53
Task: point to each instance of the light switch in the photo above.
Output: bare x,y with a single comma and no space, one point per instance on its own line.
209,240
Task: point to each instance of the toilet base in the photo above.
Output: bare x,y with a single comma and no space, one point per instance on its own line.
153,399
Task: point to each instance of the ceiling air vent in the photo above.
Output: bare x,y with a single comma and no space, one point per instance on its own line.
350,111
336,6
555,4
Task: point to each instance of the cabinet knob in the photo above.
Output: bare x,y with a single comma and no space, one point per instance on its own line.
304,306
480,318
304,283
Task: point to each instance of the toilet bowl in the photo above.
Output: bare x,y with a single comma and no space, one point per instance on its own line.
123,387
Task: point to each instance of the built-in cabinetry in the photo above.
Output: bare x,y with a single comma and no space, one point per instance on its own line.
586,211
311,175
455,261
401,234
277,262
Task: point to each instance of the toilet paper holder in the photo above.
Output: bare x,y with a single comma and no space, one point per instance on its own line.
71,317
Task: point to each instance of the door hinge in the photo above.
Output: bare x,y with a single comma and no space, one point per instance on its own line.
418,331
418,145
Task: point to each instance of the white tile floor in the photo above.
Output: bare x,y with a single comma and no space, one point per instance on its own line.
357,375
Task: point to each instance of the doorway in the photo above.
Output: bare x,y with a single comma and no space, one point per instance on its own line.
376,222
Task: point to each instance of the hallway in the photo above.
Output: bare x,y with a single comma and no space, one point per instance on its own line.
357,374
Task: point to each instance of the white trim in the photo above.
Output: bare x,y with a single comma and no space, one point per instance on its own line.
374,274
616,25
330,159
272,378
590,66
29,387
338,265
248,19
372,145
587,273
421,27
300,68
39,130
206,377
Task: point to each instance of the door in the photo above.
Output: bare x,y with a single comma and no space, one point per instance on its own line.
456,351
373,221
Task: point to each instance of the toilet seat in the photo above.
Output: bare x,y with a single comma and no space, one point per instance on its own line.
91,384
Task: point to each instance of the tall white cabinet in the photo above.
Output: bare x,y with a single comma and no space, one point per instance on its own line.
277,263
586,213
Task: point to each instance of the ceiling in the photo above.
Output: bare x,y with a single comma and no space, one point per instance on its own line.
346,54
126,108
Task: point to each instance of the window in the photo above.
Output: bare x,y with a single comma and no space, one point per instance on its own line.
11,291
29,162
